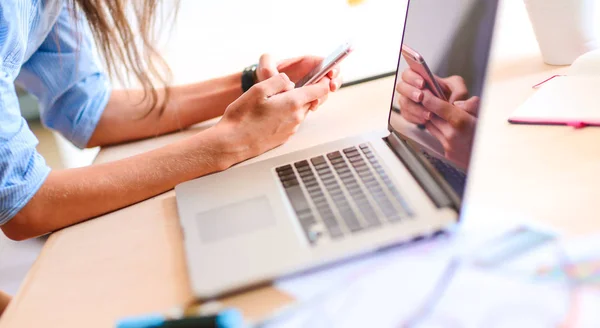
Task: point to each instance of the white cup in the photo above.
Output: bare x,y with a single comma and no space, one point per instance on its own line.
564,28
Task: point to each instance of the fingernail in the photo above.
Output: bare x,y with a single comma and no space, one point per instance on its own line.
459,103
292,85
417,96
420,83
335,86
428,116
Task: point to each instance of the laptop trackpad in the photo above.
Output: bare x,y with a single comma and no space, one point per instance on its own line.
235,219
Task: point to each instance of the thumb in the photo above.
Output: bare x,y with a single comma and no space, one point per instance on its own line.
470,105
267,68
274,85
307,94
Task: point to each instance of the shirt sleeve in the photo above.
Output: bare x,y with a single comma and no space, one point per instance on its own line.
68,80
22,169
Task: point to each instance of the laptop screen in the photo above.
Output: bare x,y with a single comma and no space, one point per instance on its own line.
440,79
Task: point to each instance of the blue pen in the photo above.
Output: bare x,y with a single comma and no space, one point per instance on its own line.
230,318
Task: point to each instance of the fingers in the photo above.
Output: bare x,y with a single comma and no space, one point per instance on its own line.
412,111
410,92
307,94
471,105
457,87
315,104
272,86
297,68
292,61
413,78
457,134
439,107
336,80
435,131
413,118
266,68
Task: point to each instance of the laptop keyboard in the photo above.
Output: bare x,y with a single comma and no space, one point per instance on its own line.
342,192
455,177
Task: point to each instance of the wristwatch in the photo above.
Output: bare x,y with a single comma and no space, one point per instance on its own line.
249,77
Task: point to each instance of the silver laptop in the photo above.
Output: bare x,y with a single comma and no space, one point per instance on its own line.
251,224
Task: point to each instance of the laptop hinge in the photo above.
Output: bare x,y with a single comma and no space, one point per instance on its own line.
432,183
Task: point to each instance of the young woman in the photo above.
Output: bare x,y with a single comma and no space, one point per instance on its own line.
49,48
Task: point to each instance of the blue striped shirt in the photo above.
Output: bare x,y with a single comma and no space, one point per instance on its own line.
44,50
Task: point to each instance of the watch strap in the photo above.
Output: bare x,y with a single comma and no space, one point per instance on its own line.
249,77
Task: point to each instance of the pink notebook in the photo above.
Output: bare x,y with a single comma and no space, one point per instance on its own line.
566,100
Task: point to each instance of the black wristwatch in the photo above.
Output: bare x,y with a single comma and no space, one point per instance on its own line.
249,77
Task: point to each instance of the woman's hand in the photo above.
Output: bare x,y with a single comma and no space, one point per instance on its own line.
410,90
296,69
452,122
453,125
268,114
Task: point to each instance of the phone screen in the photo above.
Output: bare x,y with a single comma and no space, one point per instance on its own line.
326,65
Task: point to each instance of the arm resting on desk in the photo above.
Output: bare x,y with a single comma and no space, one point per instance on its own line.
74,195
261,119
125,119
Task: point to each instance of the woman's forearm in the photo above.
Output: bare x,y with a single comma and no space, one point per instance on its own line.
126,117
74,195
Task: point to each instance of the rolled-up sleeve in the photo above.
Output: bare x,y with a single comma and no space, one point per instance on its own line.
22,169
68,80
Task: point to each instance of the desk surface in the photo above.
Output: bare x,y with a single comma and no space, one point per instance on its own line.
131,261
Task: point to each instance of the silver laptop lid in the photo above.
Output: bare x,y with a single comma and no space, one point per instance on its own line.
451,39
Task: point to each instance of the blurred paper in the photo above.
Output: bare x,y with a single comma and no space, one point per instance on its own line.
401,287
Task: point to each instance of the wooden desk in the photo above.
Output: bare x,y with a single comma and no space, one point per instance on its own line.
131,261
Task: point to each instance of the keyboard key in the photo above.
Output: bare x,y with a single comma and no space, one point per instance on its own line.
334,229
349,149
323,168
304,212
368,178
301,163
313,187
327,214
359,164
297,198
363,146
351,221
290,183
362,169
285,173
284,168
288,177
318,160
333,155
326,175
304,170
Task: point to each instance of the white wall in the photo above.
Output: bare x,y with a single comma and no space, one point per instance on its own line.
285,28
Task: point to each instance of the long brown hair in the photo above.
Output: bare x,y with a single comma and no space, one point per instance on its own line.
125,35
